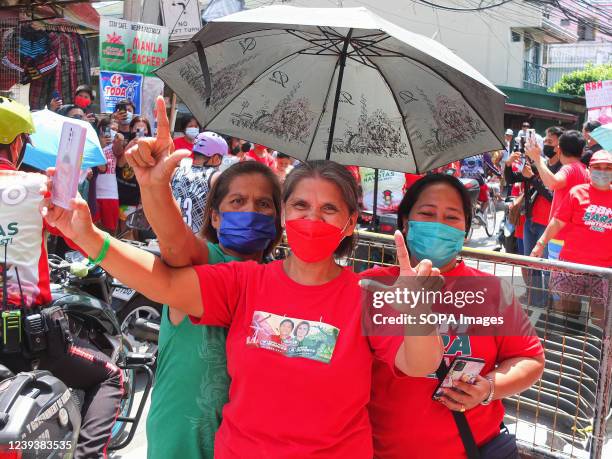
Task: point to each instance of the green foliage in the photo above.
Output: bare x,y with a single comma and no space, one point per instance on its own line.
573,83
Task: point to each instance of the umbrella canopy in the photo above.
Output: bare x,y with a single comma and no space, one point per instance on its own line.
603,136
42,153
336,83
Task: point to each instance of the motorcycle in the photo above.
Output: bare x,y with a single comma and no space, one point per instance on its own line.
39,416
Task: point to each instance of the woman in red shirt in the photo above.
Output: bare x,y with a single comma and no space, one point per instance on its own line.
320,214
191,128
435,217
585,216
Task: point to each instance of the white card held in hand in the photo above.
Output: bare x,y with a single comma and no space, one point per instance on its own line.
68,164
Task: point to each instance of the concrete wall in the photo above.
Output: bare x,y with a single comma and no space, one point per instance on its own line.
483,39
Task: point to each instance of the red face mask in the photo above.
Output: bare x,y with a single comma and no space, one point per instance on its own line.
313,240
82,102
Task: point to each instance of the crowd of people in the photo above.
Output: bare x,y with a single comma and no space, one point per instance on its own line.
244,339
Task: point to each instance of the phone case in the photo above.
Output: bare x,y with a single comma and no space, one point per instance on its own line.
462,368
68,164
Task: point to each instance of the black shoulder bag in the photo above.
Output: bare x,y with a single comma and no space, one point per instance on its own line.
501,447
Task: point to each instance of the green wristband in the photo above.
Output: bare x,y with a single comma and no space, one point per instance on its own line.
103,251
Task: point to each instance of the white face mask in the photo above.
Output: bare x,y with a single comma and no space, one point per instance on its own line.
192,132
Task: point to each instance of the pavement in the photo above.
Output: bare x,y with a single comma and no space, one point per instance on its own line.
137,449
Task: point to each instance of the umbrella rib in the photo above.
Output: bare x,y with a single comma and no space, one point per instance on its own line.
331,40
316,40
292,55
412,150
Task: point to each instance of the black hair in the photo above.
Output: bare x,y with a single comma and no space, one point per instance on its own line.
125,102
590,126
220,190
144,120
188,120
287,321
282,156
85,88
417,188
339,176
246,147
65,109
557,131
572,143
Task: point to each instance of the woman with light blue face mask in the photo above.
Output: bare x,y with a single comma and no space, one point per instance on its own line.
241,222
435,216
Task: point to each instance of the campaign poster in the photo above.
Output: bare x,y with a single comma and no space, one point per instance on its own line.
390,194
115,86
293,337
132,47
598,96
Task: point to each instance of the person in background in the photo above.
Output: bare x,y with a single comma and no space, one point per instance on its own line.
194,177
537,203
573,172
591,144
284,165
83,98
129,192
106,210
585,215
191,128
123,114
434,217
72,111
261,154
508,144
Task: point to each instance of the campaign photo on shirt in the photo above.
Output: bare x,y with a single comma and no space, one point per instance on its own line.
293,337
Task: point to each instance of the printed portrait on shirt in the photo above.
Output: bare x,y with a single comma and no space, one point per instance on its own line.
293,337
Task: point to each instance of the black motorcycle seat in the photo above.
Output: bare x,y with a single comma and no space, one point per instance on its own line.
5,373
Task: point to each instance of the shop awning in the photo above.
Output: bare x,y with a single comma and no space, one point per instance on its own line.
540,113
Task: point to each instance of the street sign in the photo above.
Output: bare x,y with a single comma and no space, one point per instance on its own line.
182,18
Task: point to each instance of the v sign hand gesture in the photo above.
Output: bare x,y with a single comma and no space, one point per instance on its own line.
153,158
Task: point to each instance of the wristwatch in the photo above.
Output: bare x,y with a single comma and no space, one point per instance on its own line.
491,393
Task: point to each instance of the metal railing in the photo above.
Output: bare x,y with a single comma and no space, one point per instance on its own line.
564,414
534,75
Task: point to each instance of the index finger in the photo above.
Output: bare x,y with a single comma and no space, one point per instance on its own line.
403,258
163,124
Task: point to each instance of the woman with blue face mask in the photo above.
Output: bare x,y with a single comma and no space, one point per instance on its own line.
241,222
435,216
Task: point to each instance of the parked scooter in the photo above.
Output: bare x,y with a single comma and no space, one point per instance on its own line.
39,416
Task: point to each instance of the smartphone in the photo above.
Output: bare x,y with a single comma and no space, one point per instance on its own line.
107,132
68,164
56,95
463,368
140,132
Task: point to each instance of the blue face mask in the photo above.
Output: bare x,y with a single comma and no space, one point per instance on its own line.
246,232
435,241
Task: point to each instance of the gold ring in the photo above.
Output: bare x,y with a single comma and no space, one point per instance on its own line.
462,409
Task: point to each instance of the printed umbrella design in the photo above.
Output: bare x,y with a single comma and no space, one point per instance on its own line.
42,153
336,83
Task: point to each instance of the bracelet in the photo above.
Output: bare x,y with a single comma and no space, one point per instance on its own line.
103,250
491,393
540,243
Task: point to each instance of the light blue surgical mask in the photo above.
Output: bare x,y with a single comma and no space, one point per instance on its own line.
434,241
192,132
601,178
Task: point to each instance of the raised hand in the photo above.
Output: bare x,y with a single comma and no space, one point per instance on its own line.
73,223
533,151
423,276
153,158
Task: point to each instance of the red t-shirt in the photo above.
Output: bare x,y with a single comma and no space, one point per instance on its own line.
540,212
587,213
407,423
575,174
292,399
181,142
